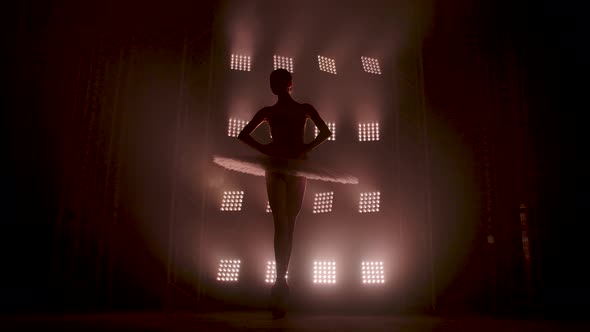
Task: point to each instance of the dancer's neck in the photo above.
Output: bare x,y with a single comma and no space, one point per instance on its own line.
284,98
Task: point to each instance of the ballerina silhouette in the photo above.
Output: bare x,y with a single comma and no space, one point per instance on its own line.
286,169
287,120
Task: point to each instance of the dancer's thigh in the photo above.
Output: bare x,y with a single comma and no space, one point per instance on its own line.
295,192
276,189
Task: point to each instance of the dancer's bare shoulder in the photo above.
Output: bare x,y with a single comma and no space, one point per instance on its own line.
309,110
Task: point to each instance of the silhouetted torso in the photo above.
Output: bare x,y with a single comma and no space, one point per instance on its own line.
287,125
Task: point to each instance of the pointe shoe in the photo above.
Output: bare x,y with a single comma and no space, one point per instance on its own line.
278,300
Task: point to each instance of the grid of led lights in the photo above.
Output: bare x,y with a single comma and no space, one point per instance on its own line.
283,62
327,64
324,272
271,272
332,127
369,202
243,62
371,65
229,270
322,203
369,131
372,273
268,209
240,62
235,126
232,201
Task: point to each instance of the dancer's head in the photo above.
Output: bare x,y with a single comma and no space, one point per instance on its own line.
281,82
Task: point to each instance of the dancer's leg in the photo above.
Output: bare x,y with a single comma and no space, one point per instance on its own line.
295,193
285,195
276,188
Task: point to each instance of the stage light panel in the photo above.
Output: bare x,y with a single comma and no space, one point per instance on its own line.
229,270
271,272
322,202
324,272
232,201
368,131
332,127
371,65
283,62
235,126
372,272
268,209
369,202
327,64
240,62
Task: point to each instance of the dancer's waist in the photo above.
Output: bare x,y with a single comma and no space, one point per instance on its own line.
288,151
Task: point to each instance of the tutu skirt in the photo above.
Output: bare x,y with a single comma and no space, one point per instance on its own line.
259,165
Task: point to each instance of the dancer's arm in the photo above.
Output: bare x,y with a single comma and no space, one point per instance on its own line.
323,128
245,136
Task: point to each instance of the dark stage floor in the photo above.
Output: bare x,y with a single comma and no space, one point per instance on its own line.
260,321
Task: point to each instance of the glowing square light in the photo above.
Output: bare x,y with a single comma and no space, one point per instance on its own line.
322,202
229,270
283,62
372,272
327,64
268,209
371,65
232,201
271,272
240,62
324,272
332,127
368,131
235,126
369,202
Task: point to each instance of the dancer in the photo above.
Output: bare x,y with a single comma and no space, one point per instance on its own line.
286,169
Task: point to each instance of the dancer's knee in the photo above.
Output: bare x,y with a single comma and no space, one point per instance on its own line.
291,221
282,231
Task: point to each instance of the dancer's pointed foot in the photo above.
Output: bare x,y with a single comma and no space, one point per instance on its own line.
278,300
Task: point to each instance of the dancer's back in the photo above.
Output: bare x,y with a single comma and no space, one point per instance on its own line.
287,124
